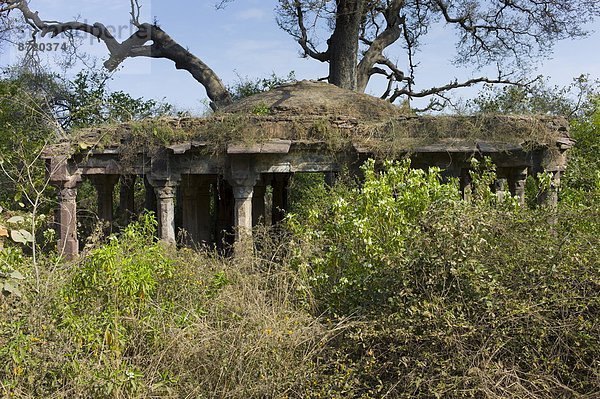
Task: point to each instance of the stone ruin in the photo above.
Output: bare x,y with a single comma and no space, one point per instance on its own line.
215,171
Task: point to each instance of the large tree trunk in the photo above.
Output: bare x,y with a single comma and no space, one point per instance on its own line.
343,44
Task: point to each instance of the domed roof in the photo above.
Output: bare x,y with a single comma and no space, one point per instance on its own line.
311,98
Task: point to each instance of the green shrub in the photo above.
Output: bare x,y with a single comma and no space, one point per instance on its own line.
361,237
134,318
581,183
452,298
115,282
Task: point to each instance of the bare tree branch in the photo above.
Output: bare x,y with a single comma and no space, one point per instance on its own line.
308,49
450,86
135,13
388,36
163,46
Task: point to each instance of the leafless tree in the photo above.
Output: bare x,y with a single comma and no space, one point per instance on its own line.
506,33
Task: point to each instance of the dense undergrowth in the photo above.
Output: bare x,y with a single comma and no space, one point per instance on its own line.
133,318
451,298
396,288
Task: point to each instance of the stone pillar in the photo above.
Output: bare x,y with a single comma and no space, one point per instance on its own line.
68,244
466,188
500,189
242,178
165,194
280,184
224,205
258,203
242,194
516,183
105,187
330,178
150,203
203,209
549,197
65,176
127,197
189,196
178,210
196,209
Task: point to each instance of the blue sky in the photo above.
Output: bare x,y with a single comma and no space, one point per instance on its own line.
244,40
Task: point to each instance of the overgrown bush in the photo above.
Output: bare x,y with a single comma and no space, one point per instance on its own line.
452,298
134,318
581,183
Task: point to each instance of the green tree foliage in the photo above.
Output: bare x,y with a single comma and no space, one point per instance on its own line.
582,179
572,101
579,102
245,87
90,102
26,124
36,108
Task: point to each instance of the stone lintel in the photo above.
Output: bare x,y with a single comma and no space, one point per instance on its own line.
61,172
275,146
160,166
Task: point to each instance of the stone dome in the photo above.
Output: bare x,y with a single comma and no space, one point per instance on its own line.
311,98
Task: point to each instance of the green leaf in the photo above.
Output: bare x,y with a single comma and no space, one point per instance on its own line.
21,236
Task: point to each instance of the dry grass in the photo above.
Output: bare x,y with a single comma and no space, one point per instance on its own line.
215,329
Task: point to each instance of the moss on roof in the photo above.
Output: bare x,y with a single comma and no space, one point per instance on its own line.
320,112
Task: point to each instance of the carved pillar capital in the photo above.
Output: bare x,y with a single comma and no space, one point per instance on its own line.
68,194
165,192
243,192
